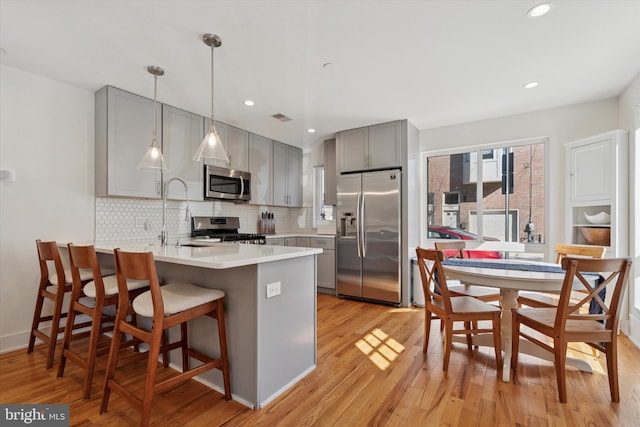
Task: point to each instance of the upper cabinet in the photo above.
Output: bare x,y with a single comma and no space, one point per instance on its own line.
371,147
597,191
287,175
182,133
590,170
124,128
330,196
261,168
235,142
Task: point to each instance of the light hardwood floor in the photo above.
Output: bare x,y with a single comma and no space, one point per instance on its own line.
371,372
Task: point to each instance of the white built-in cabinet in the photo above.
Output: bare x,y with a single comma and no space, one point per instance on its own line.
123,132
235,142
372,147
261,169
287,175
182,134
597,181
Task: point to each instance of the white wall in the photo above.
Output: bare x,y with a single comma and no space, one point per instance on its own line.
629,118
46,135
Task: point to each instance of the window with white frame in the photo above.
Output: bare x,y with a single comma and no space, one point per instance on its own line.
499,193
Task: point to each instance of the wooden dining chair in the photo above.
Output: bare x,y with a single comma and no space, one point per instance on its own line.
99,293
439,303
455,249
538,299
566,323
168,306
55,283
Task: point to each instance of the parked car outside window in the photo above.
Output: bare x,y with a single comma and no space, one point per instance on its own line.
442,232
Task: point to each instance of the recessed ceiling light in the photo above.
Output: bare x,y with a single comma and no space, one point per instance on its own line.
311,130
530,85
249,103
539,10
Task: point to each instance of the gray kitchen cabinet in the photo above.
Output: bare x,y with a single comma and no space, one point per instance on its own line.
302,242
261,168
123,132
276,241
235,142
326,261
182,134
372,147
290,241
287,175
330,196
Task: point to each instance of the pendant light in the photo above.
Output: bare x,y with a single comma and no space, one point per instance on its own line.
153,159
211,147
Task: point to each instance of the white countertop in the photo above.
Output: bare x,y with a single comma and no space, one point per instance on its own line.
212,255
280,235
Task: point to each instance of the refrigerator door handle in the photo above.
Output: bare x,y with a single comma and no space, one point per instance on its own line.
363,235
358,219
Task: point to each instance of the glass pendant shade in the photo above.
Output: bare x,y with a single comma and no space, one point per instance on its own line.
211,148
153,159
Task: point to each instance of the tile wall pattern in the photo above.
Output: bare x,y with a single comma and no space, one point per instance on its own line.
141,219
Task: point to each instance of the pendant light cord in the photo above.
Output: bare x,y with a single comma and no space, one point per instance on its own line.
155,109
212,127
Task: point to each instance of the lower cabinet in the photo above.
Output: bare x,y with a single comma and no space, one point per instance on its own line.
326,265
326,261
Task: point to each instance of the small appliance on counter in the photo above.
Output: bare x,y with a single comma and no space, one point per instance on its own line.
224,228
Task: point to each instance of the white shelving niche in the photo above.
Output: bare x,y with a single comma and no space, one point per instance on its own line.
597,181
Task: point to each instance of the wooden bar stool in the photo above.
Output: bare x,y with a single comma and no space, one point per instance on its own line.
53,286
100,293
168,306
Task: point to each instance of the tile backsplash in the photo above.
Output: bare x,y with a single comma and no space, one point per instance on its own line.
141,219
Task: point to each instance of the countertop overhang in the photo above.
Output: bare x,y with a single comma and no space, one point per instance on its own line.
211,255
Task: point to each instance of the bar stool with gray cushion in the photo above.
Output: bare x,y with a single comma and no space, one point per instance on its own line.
99,293
54,284
170,305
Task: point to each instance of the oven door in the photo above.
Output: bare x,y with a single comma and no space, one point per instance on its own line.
226,184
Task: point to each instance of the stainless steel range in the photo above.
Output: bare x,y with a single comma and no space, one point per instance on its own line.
224,228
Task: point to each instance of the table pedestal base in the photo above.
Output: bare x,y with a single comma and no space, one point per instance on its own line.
509,300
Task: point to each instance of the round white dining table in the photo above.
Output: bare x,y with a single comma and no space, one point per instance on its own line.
510,281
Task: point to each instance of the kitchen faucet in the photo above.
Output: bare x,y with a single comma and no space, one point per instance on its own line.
163,233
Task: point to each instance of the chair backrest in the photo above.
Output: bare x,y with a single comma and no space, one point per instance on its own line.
451,248
604,272
585,251
84,257
48,253
137,266
434,281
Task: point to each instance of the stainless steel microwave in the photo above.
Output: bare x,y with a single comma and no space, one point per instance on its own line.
226,184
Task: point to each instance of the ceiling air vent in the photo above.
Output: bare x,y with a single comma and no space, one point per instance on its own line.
281,117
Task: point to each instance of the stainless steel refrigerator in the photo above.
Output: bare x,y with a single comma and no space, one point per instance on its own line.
369,236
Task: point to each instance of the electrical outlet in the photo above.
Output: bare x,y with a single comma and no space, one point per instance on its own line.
273,289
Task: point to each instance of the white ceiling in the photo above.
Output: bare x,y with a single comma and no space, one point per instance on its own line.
435,63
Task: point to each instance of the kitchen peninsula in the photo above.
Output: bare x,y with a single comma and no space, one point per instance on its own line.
271,336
